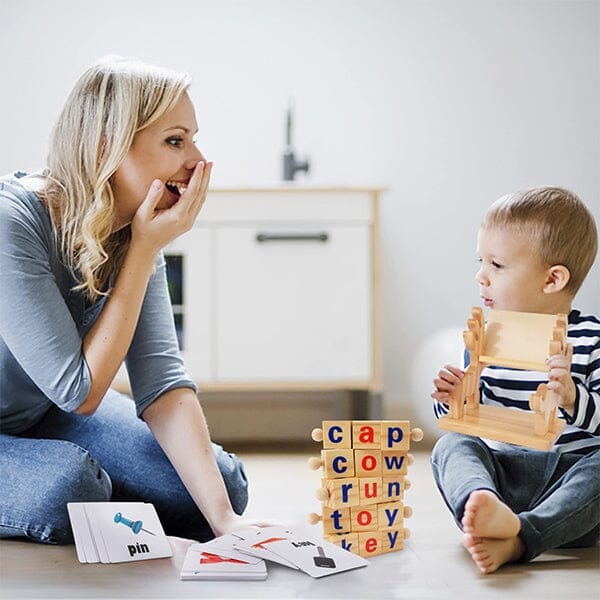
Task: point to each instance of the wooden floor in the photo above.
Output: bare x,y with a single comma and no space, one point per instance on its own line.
433,563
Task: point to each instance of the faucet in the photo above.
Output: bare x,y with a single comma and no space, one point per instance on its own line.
291,165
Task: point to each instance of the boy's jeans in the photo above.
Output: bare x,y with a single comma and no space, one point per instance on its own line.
110,455
556,496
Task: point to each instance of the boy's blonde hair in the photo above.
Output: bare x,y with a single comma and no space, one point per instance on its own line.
560,225
112,100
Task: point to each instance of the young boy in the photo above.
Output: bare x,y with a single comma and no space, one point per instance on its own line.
536,248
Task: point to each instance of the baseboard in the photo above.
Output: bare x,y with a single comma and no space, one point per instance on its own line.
271,417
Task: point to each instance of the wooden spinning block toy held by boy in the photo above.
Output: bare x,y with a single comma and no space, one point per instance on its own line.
516,340
364,466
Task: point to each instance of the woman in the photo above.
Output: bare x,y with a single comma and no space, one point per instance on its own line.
84,288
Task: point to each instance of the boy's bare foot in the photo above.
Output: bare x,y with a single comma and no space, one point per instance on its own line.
489,554
485,516
491,531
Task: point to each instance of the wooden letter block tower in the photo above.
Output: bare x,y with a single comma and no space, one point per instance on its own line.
364,467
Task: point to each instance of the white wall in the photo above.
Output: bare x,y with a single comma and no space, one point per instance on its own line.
449,103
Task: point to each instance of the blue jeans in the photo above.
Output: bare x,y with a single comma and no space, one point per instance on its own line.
556,496
110,455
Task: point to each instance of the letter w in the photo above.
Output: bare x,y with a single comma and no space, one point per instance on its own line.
394,462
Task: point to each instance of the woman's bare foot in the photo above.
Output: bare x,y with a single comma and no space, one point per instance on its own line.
485,516
489,554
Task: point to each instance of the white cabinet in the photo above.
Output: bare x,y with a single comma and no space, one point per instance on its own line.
279,290
293,303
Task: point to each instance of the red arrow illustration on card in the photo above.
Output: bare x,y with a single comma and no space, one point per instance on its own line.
261,545
208,558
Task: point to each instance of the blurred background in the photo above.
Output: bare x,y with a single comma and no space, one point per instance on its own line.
447,104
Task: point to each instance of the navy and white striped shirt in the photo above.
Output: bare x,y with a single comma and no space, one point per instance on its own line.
501,386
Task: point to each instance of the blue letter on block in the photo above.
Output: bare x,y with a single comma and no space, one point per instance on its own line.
346,545
346,487
394,462
394,489
395,435
392,537
331,434
336,467
335,517
391,516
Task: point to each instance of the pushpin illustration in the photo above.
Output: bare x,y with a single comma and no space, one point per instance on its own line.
135,526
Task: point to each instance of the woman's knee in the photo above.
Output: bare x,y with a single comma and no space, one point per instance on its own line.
82,478
38,486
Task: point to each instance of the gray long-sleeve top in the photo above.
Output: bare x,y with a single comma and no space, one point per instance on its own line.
43,322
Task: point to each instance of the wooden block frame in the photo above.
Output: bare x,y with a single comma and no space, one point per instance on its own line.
514,340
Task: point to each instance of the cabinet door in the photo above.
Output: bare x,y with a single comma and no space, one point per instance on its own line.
293,303
188,271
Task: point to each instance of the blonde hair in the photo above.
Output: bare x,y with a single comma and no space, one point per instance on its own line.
559,224
112,100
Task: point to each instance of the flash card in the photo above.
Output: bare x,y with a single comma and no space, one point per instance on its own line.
131,531
117,531
316,557
224,546
204,561
97,538
86,551
256,541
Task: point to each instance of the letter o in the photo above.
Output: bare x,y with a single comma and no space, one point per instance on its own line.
364,518
368,462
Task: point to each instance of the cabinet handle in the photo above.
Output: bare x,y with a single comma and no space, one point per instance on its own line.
292,237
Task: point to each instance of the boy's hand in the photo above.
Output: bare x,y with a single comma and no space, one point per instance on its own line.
561,382
445,383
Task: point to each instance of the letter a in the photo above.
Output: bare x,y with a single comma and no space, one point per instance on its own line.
366,435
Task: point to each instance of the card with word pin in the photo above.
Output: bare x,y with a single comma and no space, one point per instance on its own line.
112,532
218,560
